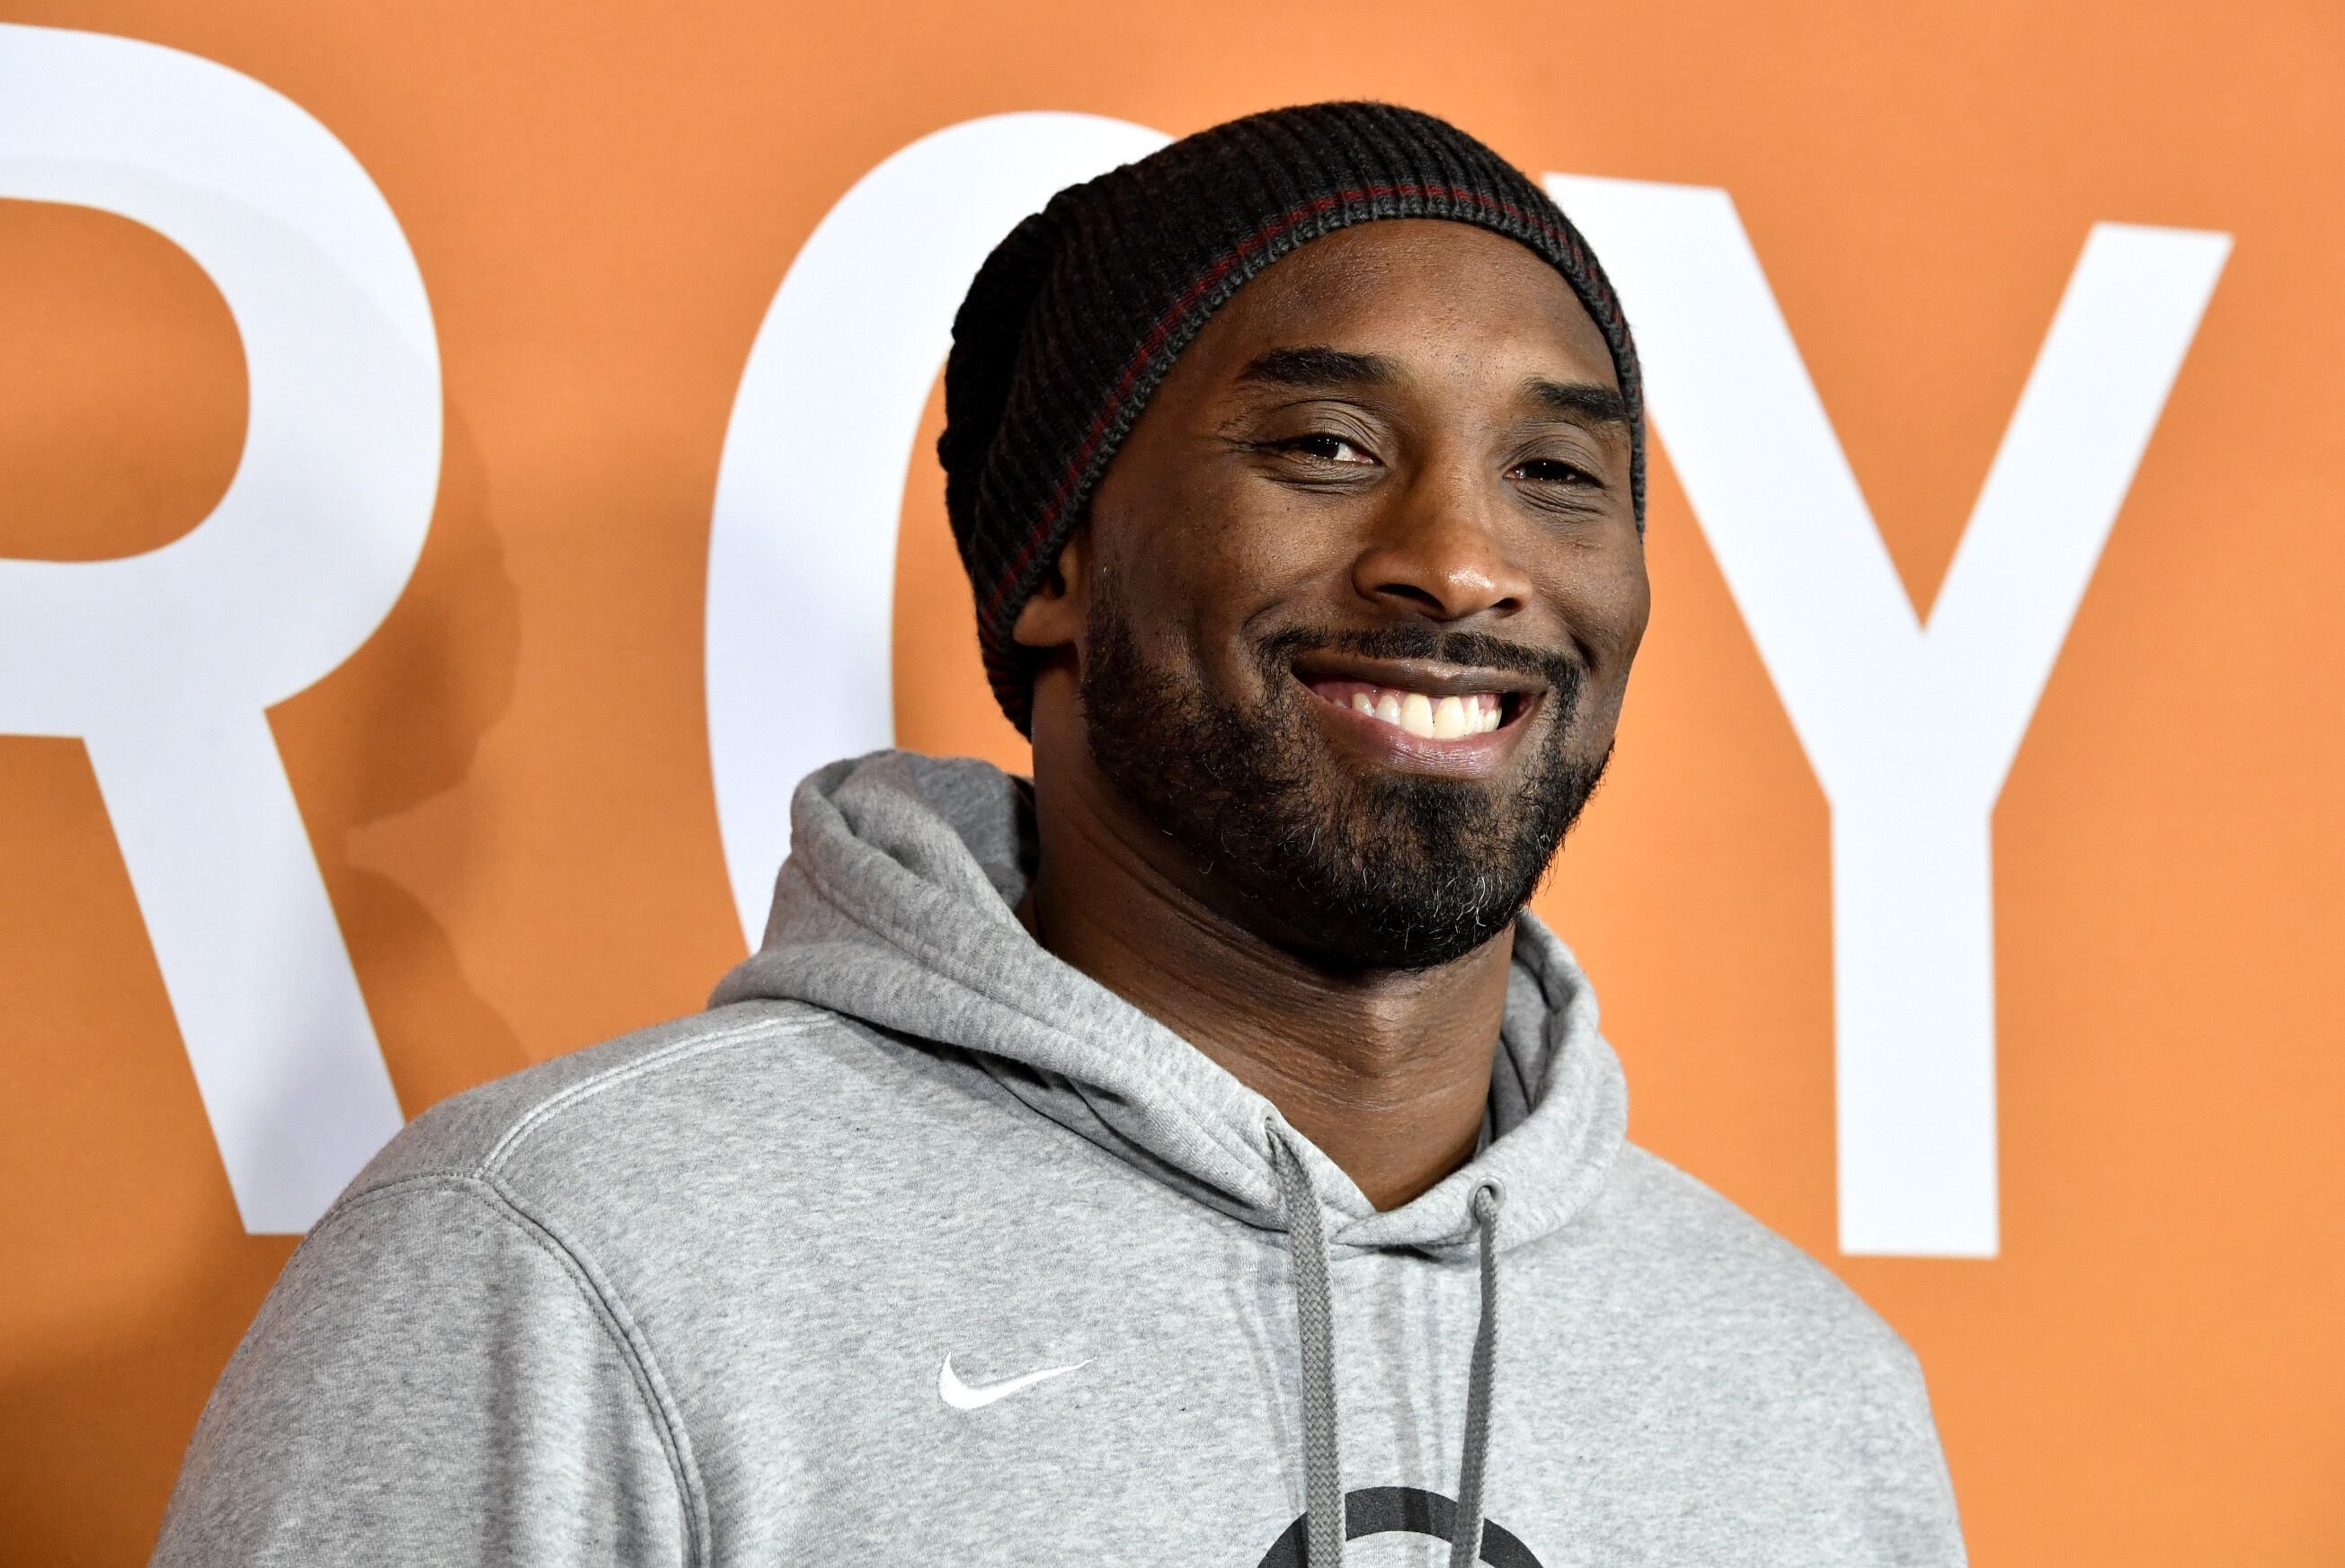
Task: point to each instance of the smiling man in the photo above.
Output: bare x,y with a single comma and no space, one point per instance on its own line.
1197,1156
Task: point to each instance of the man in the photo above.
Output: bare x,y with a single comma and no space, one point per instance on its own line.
1197,1156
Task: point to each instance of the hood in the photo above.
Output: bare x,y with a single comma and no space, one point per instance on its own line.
896,907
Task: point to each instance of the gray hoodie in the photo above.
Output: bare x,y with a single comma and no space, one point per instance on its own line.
922,1247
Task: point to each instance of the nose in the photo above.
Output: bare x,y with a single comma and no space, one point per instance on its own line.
1436,553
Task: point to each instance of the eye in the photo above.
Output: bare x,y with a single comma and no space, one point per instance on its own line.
1330,449
1550,471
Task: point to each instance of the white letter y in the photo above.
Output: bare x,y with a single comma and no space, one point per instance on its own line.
1911,728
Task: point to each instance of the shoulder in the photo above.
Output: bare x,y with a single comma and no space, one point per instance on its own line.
1725,1346
1716,1273
671,1096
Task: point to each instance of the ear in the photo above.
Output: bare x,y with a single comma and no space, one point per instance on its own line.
1053,619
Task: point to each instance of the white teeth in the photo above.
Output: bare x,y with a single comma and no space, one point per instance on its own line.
1428,717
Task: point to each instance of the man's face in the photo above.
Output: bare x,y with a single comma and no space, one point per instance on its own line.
1359,594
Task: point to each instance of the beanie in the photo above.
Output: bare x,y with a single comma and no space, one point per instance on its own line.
1075,318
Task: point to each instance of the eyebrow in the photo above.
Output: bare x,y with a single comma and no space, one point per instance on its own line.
1315,365
1582,400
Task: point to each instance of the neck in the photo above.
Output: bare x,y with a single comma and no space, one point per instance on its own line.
1388,1072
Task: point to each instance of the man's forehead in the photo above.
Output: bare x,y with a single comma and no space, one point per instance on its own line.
1381,290
1323,367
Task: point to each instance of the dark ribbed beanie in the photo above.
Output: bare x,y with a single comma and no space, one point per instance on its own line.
1075,318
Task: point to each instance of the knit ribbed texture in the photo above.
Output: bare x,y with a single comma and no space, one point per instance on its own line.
1075,318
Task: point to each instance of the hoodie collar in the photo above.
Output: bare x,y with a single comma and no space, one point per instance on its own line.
896,907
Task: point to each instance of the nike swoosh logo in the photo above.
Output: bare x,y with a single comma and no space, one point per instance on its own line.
962,1396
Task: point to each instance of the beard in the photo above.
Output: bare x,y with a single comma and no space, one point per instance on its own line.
1349,867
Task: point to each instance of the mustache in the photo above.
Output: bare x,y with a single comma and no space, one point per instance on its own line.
1416,640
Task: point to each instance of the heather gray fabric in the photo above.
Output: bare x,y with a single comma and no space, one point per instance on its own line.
753,1287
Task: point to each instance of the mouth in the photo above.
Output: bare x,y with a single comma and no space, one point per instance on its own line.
1423,716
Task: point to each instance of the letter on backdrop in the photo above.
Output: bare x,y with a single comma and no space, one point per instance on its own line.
1911,726
812,482
165,663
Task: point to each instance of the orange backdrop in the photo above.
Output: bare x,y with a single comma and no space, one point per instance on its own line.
507,787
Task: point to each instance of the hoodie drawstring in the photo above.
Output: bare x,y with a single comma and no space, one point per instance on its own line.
1315,1316
1467,1544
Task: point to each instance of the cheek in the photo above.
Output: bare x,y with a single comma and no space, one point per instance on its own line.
1633,612
1211,572
1182,586
1606,601
1608,611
